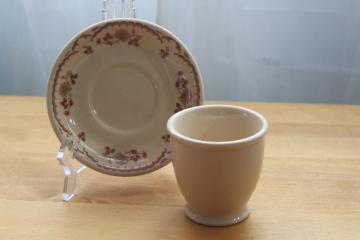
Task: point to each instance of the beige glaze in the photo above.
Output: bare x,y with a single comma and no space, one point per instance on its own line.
217,157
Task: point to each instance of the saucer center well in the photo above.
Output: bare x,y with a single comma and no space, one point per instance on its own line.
123,97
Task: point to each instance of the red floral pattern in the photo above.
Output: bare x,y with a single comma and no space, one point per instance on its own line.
163,156
133,154
130,33
164,52
185,95
88,50
121,35
65,88
82,136
166,138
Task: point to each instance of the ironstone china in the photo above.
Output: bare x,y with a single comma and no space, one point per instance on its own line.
112,89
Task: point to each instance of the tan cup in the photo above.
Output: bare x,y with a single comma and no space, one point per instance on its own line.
217,155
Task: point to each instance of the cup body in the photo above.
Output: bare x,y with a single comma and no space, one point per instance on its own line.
217,155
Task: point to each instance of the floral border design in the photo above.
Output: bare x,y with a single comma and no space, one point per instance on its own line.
124,157
162,158
121,35
130,38
184,93
67,82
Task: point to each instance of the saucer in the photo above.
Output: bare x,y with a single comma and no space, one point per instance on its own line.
112,89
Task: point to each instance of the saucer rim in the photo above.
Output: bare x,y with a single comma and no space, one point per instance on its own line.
85,160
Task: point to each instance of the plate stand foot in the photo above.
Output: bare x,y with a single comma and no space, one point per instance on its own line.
71,167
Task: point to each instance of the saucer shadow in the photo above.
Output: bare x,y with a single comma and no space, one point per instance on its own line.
130,190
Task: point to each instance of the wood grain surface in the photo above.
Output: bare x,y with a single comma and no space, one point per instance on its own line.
309,187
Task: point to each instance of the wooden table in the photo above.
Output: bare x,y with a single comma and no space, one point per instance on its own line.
309,187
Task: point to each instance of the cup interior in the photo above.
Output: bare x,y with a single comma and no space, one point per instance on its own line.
217,123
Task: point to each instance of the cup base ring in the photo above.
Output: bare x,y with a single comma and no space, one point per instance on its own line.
217,221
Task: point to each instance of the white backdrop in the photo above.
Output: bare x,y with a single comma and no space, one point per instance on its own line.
254,50
32,32
272,50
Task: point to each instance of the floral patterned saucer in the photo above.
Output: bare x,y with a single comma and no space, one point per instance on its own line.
113,88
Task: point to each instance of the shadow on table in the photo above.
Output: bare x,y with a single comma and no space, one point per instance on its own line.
191,230
152,189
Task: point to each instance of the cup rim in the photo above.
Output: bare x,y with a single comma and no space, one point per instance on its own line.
259,134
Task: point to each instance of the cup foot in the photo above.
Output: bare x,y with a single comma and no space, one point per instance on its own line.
217,221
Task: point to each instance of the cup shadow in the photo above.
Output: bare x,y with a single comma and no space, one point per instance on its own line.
192,230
